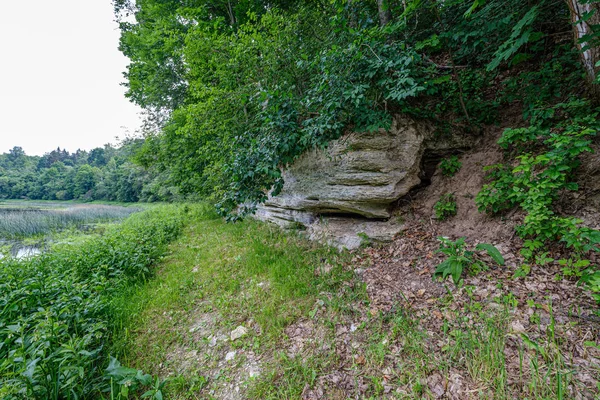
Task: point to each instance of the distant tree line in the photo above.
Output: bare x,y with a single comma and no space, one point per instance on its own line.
104,173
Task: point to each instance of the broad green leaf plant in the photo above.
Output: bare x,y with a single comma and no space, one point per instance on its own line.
459,258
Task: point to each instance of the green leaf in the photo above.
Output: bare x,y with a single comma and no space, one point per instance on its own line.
587,15
492,251
476,4
29,372
529,342
144,379
456,271
518,38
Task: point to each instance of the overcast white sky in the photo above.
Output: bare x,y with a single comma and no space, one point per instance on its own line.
60,71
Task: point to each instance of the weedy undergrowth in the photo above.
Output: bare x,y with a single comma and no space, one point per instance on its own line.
57,313
450,166
445,207
460,259
547,154
126,382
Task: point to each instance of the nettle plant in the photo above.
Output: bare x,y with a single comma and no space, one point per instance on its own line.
547,155
126,383
459,258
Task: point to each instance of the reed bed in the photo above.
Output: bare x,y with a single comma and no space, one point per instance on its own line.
22,222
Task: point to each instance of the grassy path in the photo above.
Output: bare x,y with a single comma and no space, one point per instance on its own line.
217,277
311,332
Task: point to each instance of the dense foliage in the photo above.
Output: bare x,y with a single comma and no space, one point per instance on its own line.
236,90
547,156
239,89
547,152
57,311
104,173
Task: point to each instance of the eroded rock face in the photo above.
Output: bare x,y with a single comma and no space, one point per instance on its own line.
350,233
359,174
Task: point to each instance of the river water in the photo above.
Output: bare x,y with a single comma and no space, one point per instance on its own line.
19,250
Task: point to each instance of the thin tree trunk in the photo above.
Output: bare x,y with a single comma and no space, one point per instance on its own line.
385,14
231,14
591,55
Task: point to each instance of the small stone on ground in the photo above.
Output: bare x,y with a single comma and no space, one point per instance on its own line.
238,332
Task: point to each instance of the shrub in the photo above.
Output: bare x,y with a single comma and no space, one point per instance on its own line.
547,152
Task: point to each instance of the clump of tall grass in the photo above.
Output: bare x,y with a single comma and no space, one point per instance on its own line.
21,222
57,311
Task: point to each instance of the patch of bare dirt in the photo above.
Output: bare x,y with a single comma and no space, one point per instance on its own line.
464,185
209,351
302,335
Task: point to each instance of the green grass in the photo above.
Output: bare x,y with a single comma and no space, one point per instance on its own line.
245,273
254,275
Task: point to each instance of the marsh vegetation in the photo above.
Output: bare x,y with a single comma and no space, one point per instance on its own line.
28,227
23,219
60,312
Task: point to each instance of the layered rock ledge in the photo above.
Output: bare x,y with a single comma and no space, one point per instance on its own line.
361,174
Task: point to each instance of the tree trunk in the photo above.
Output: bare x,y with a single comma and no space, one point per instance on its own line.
385,15
591,55
231,14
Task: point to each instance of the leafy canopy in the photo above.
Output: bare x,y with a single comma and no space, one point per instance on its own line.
239,89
